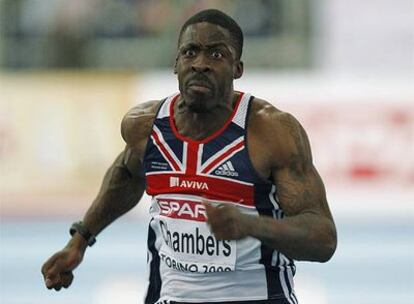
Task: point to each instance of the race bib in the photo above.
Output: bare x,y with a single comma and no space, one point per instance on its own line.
187,243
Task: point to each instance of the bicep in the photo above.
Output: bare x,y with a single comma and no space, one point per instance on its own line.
299,186
300,192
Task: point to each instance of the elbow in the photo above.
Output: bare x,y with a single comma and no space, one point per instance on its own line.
328,248
328,252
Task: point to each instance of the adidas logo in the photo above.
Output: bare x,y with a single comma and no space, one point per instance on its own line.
226,169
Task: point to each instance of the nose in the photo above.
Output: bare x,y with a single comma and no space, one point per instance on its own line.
200,64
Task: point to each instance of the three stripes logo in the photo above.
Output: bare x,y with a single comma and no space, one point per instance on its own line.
226,169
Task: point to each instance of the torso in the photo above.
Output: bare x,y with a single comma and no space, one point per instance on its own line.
178,182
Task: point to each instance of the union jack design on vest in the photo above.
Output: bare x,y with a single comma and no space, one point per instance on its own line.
181,173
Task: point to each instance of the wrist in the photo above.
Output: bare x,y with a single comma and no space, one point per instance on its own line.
78,243
80,229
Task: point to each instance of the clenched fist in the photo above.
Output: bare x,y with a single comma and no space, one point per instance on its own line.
226,222
57,270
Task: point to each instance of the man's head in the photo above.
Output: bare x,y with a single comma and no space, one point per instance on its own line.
208,59
217,17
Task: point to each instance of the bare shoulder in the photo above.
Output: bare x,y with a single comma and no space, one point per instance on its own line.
137,122
271,121
280,131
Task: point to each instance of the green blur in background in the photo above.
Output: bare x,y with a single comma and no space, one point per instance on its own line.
136,35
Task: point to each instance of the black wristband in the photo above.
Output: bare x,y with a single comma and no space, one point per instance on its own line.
80,228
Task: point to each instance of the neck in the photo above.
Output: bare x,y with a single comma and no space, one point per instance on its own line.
198,126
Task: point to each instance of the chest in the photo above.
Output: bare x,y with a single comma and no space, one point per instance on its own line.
218,169
234,154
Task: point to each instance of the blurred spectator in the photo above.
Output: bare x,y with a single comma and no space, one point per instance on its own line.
72,33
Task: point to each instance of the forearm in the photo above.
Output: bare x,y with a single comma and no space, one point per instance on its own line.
307,236
120,192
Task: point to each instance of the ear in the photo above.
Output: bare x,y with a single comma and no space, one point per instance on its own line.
238,69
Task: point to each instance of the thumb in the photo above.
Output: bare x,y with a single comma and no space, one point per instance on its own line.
50,282
53,274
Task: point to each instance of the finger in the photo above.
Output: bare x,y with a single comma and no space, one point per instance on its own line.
223,235
53,270
48,264
49,283
53,282
218,214
215,226
67,279
58,287
210,209
52,276
218,235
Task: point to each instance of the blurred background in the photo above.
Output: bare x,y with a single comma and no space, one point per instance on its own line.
70,69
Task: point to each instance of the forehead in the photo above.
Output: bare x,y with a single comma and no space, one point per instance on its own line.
204,34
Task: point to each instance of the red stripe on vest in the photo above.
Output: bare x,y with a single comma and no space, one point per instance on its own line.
223,156
205,186
176,167
192,158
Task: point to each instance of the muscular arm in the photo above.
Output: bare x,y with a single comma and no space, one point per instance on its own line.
122,188
124,182
307,232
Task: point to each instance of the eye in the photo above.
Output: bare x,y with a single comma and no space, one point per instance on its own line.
216,54
189,53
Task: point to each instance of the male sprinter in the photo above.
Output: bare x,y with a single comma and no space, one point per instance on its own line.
235,196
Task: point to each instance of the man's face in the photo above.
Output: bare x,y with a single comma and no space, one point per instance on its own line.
206,65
